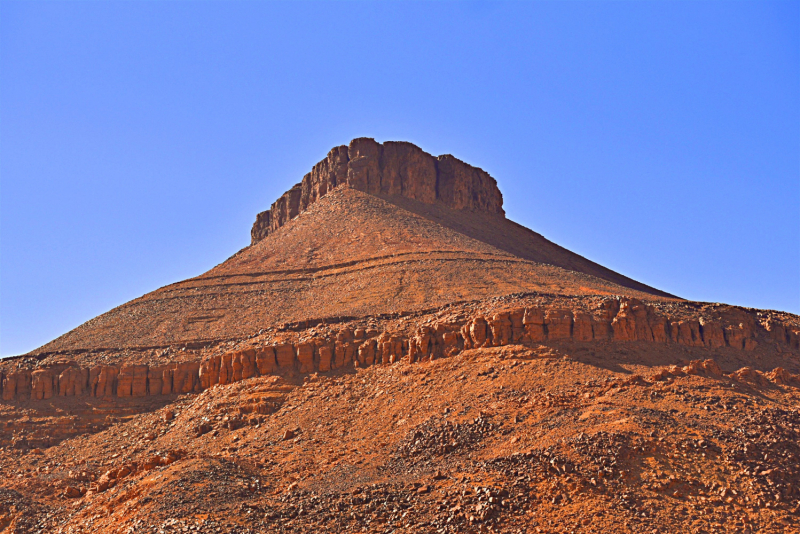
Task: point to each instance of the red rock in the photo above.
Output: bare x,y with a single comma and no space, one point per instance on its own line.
167,375
265,361
226,369
325,358
712,333
209,372
747,374
236,366
775,329
285,356
132,381
339,351
42,384
687,333
500,325
659,326
624,324
478,333
582,326
392,168
779,375
17,384
103,380
534,324
366,352
186,377
450,343
559,324
73,381
517,325
305,355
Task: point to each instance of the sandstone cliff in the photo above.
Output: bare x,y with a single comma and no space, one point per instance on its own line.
393,168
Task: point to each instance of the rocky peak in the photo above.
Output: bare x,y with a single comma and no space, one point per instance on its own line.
394,168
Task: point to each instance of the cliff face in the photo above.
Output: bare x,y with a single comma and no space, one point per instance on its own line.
393,168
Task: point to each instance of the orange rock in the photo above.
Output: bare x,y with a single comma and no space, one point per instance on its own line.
775,329
285,356
339,351
167,375
582,326
73,381
17,384
265,361
659,326
517,326
533,321
366,353
186,377
132,381
479,333
500,325
236,366
305,355
712,333
209,372
42,384
226,368
559,324
686,333
325,357
106,384
779,375
747,374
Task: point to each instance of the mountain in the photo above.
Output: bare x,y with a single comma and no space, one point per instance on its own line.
391,353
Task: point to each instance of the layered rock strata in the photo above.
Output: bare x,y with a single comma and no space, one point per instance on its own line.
393,168
615,320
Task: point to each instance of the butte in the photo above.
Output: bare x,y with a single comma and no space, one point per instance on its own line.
392,354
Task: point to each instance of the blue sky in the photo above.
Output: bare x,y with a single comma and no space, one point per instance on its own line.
138,140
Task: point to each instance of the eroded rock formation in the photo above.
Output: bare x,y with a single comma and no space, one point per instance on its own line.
613,320
393,168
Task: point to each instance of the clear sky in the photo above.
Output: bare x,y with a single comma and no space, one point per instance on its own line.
139,140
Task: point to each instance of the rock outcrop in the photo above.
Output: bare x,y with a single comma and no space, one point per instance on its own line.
393,168
613,320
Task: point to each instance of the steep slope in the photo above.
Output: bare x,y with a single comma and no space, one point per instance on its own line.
391,354
346,252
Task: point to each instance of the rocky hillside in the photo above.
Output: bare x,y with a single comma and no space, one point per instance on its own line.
391,354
